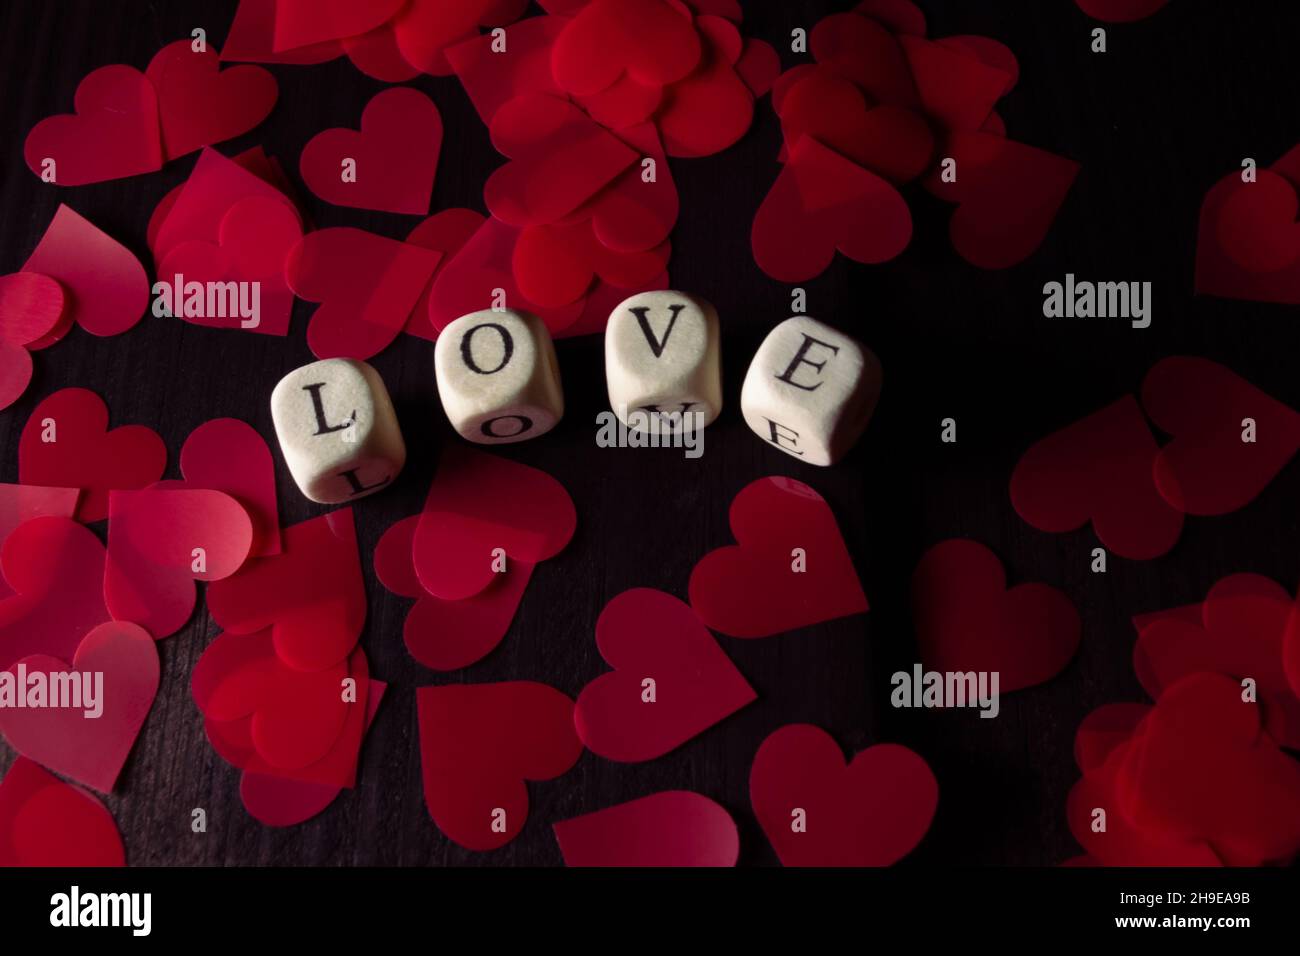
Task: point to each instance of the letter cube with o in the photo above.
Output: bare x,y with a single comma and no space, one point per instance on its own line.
337,430
498,377
663,359
810,390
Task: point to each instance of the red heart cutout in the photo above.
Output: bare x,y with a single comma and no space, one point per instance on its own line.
21,503
821,203
861,50
957,89
252,38
31,307
226,454
311,595
15,372
669,828
66,443
426,28
644,633
444,232
560,158
477,503
396,155
479,743
1008,195
648,39
492,77
632,215
90,750
46,822
1207,469
300,23
712,108
105,288
753,588
447,635
55,570
367,285
199,104
1244,621
113,133
968,620
377,56
818,811
160,541
556,265
1104,730
1099,469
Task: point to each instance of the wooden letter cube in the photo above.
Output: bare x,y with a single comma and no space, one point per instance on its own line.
498,377
663,359
810,390
337,430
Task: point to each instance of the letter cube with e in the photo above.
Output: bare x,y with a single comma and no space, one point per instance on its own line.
810,390
498,377
663,361
337,430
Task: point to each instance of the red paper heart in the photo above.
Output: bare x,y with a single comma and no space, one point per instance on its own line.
113,133
822,203
90,750
46,822
395,155
252,38
1099,469
669,828
1008,195
1243,624
492,76
311,594
199,104
82,453
1207,469
228,455
648,39
104,285
54,568
755,588
447,635
859,49
968,620
15,372
31,307
712,108
477,503
300,23
426,28
632,215
559,159
556,265
444,232
376,54
1104,730
647,634
367,285
160,541
871,812
956,88
759,66
479,743
21,503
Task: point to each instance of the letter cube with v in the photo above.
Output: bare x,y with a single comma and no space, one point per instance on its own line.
337,430
810,390
498,377
663,360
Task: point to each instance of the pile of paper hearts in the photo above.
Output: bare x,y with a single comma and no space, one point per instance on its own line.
882,106
1228,440
78,275
127,122
1246,245
1200,778
671,681
285,690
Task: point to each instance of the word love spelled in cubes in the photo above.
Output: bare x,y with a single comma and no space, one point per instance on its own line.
810,390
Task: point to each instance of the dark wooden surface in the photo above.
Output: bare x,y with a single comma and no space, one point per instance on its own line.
1176,102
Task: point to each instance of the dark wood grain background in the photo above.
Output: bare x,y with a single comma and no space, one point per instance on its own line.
1176,103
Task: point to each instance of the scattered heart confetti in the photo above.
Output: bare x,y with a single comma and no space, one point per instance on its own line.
1099,470
816,810
789,568
389,165
479,743
670,828
65,739
968,620
671,680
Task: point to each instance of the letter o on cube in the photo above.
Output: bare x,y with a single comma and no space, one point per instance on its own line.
498,377
810,390
337,430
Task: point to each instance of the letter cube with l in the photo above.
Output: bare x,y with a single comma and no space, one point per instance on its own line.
810,390
663,360
337,430
498,377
